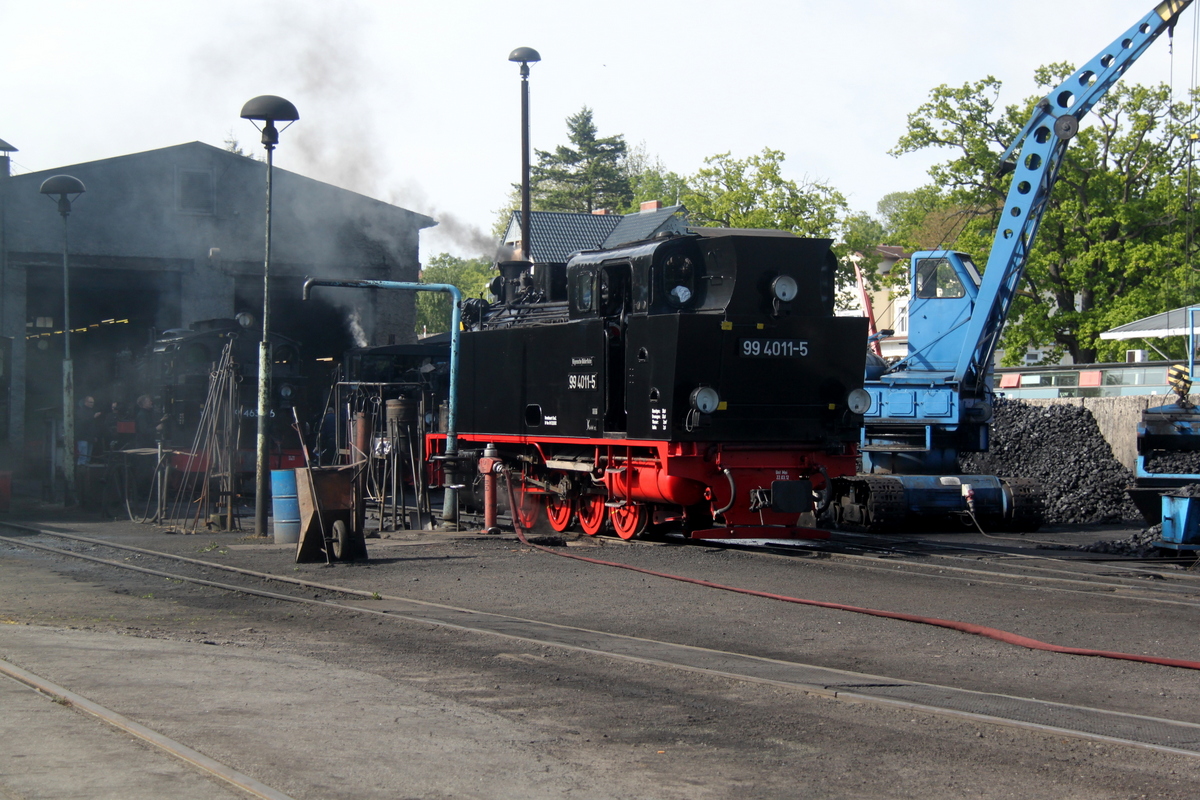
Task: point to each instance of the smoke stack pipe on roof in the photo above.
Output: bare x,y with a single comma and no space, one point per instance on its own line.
651,205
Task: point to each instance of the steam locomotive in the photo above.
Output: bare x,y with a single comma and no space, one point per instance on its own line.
183,367
698,382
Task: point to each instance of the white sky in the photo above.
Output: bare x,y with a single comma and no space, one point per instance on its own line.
416,103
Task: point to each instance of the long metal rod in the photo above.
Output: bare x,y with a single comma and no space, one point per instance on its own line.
261,463
68,380
526,243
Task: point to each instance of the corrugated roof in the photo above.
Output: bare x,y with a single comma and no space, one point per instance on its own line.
1168,323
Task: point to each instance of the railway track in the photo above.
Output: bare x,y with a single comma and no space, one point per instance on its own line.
1157,581
1080,721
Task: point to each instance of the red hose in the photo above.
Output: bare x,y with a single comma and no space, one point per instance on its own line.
964,627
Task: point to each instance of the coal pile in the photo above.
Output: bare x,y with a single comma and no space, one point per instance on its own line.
1060,447
1139,545
1163,462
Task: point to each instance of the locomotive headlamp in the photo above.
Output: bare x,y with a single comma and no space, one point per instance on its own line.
859,401
784,288
705,399
286,391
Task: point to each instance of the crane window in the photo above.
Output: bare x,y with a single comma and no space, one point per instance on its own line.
936,278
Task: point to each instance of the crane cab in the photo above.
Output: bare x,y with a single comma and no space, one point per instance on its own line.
944,285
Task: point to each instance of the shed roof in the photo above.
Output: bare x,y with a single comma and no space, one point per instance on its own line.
1168,323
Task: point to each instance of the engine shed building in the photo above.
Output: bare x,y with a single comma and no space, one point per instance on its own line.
169,237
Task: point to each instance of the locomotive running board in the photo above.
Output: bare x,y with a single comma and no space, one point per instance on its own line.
759,532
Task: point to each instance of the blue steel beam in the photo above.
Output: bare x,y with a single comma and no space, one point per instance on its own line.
1038,152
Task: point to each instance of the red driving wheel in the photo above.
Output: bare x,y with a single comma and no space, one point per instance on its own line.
528,506
558,511
591,513
628,520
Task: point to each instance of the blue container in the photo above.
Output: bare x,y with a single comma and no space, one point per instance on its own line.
1181,521
285,506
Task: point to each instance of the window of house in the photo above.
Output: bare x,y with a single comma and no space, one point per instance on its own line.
195,191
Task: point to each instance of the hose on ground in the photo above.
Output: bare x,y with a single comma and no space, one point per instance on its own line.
963,627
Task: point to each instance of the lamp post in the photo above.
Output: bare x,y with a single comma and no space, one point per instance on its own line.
525,56
67,189
268,109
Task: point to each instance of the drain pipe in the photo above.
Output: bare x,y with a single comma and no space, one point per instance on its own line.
450,498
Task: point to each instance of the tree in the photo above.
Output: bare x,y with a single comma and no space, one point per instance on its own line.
1111,247
650,180
470,275
583,178
752,193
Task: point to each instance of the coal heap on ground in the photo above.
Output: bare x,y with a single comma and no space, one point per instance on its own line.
1059,446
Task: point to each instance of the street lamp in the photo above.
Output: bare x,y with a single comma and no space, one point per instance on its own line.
268,109
525,56
67,189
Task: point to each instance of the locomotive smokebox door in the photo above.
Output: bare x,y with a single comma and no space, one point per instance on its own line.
791,497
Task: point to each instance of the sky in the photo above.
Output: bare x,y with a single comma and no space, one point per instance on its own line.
415,103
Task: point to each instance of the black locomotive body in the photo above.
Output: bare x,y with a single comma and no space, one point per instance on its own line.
700,380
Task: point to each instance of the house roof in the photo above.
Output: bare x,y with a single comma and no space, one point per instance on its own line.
558,235
646,224
1168,323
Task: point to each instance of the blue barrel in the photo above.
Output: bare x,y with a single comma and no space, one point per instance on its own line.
285,506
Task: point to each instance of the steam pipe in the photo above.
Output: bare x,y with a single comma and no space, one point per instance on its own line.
450,503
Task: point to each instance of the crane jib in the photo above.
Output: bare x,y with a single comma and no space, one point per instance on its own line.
1034,157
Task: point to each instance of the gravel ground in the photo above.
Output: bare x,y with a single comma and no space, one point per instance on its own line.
615,729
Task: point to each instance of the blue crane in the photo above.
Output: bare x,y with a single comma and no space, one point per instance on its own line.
937,401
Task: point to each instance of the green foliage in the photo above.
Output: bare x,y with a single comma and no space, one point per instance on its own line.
650,180
470,275
1112,242
583,178
752,193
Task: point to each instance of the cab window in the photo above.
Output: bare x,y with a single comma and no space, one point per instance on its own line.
680,278
936,278
581,290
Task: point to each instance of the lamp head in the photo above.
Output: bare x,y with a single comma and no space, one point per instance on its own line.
64,186
524,56
270,109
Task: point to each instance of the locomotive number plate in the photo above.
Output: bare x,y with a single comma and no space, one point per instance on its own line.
582,381
774,348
